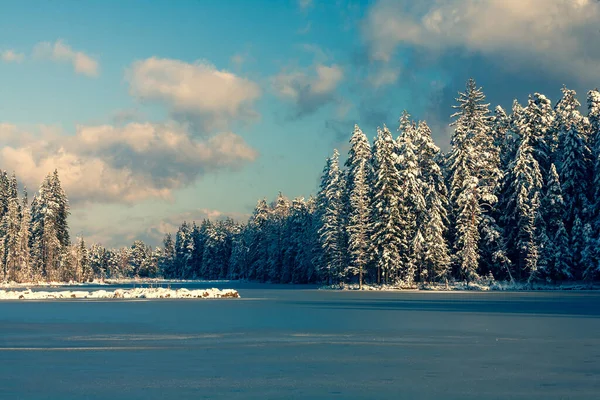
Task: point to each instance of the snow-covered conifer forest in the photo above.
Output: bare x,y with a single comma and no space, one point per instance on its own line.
516,198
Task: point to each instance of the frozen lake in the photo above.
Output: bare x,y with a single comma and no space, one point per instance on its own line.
293,342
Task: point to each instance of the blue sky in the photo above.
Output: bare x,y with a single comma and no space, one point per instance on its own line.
155,112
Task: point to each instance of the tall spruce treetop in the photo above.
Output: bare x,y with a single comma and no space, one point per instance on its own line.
360,151
537,123
429,156
473,153
59,198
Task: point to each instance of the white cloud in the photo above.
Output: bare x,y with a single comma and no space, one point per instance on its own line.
309,89
561,33
121,164
59,51
12,56
197,89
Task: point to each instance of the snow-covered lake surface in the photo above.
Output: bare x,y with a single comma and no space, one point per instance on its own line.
295,342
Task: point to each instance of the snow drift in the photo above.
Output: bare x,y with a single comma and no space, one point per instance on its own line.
139,293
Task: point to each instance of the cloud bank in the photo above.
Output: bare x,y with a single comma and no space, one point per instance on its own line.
555,35
125,164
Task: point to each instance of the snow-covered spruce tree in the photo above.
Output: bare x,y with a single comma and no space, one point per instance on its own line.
358,164
11,226
574,171
331,232
49,239
537,123
25,273
589,254
436,259
99,260
593,101
501,134
238,262
524,209
197,245
167,264
411,202
210,261
574,159
436,254
290,234
314,250
83,271
184,247
275,250
61,203
474,174
557,253
386,233
258,242
303,241
429,157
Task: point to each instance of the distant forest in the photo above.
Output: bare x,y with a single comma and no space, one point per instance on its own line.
515,198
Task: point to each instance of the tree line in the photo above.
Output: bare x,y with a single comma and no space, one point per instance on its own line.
515,198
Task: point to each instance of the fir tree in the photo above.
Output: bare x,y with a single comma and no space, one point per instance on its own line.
557,253
473,176
387,221
332,230
411,202
358,164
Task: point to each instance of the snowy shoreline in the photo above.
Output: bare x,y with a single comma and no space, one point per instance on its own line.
471,287
137,293
107,282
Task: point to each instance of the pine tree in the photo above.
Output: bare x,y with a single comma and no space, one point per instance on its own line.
387,220
575,159
557,253
183,250
11,226
258,242
412,200
99,264
594,145
436,256
61,212
83,267
524,207
358,164
167,264
332,232
24,250
537,123
474,175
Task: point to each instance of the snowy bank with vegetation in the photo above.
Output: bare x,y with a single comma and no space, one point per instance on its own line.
112,281
138,293
481,286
